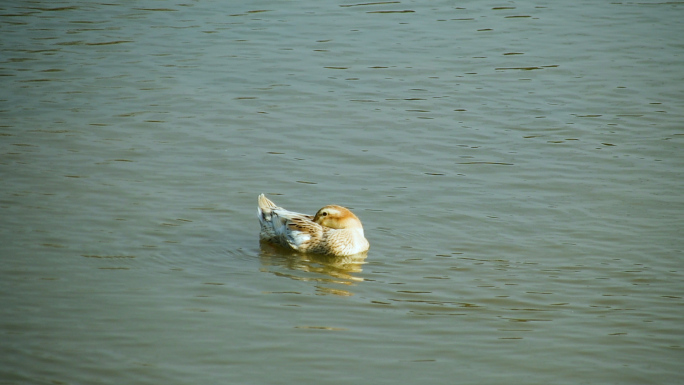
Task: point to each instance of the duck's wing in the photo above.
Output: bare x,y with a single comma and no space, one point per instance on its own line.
284,227
300,232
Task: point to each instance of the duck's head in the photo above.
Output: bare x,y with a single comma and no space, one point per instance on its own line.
337,217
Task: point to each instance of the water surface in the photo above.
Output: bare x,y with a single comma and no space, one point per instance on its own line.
517,166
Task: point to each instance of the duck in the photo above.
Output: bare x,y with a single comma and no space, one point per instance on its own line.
334,230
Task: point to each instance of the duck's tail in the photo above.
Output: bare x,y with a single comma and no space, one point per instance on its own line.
265,208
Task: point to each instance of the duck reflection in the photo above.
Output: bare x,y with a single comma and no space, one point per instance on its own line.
312,267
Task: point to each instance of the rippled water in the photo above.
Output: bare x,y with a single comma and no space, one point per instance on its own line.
518,167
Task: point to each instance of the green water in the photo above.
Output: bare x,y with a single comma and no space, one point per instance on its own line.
518,168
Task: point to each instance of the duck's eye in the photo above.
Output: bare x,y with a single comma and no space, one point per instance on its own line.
324,214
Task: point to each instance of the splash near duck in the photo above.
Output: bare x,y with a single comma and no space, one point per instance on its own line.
334,230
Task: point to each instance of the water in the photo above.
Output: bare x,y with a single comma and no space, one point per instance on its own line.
517,167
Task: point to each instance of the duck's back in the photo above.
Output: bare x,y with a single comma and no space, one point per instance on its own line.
283,227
